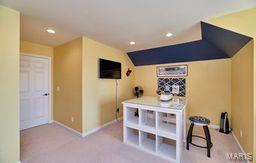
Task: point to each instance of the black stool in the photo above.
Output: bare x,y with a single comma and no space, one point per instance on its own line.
200,121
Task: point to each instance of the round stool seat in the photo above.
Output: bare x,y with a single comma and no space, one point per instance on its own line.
199,120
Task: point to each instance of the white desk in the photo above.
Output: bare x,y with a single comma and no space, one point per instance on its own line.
160,127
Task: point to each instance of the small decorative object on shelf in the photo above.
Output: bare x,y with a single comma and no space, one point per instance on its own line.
172,71
164,96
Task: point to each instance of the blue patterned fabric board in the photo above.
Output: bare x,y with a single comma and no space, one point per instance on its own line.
165,84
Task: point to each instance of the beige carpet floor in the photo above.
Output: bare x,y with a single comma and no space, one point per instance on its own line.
52,143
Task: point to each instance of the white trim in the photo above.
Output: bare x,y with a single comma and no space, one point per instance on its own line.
100,127
19,161
51,90
35,55
88,132
49,80
214,126
51,121
65,126
237,142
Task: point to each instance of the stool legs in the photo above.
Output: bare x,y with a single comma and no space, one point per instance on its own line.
189,136
208,140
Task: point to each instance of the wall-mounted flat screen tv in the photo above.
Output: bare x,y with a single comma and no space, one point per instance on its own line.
109,69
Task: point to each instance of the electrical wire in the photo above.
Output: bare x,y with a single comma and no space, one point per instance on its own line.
117,109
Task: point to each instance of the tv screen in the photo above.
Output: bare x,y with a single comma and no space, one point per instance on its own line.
110,69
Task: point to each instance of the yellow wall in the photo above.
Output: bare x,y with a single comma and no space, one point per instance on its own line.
243,22
37,49
208,86
9,88
99,94
68,76
240,22
242,96
31,48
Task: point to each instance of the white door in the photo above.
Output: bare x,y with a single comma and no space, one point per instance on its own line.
34,91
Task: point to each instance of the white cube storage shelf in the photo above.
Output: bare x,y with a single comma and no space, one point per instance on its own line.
152,127
158,130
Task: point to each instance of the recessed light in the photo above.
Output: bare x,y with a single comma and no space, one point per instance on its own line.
168,34
132,43
50,31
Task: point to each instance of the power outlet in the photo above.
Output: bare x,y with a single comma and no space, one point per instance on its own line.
241,133
72,119
58,88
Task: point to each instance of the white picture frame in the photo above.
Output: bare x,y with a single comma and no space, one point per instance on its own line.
172,71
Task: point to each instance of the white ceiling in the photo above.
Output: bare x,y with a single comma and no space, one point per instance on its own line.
117,22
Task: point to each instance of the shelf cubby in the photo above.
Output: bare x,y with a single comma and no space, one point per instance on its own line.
148,141
166,124
132,136
131,116
166,147
148,118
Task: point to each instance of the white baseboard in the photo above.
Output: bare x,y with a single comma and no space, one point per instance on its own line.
241,148
88,132
214,126
100,127
61,124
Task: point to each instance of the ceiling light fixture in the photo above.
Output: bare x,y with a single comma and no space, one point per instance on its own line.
132,43
168,34
51,31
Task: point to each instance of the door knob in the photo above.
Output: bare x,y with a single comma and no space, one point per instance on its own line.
46,94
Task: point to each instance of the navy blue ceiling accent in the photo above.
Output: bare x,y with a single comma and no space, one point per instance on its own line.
191,51
216,43
228,41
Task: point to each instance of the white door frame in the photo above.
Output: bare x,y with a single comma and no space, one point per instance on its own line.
49,82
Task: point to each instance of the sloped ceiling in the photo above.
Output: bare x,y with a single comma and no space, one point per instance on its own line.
117,22
216,43
227,41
